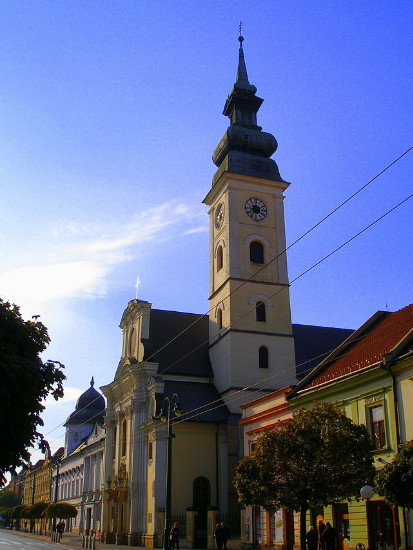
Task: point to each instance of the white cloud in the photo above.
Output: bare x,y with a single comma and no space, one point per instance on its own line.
86,255
70,395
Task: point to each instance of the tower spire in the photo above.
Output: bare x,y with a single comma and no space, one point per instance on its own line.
244,148
242,76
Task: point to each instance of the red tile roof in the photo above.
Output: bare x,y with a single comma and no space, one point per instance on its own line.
367,346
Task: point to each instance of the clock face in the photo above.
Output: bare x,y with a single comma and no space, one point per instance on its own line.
219,215
255,209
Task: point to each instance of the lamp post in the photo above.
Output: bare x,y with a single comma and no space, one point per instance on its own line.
170,408
366,493
56,489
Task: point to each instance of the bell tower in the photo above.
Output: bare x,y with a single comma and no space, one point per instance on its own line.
250,333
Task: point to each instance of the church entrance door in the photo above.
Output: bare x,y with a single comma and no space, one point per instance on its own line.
201,502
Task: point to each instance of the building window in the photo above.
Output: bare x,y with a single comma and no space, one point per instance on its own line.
263,357
256,252
377,430
150,450
220,258
124,432
260,312
219,319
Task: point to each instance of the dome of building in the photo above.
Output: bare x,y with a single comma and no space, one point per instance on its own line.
90,408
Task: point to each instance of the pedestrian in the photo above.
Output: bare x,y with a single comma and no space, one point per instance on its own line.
218,536
174,536
321,528
329,537
312,538
226,535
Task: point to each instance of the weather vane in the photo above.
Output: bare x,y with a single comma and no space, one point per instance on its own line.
241,24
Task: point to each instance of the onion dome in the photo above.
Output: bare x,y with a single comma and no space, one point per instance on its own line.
90,408
245,148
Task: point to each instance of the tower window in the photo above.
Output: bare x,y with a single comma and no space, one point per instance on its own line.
219,319
263,357
256,252
124,432
220,258
260,312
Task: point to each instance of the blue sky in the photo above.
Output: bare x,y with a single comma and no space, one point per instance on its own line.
110,113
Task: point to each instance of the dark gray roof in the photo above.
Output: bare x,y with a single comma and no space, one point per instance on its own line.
201,399
312,345
178,357
90,408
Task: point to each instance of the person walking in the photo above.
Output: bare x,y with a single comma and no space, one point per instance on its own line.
226,535
321,526
312,538
329,537
218,536
174,536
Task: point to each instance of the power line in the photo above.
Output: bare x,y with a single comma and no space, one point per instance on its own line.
241,392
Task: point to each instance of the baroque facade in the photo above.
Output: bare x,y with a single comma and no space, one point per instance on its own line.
207,366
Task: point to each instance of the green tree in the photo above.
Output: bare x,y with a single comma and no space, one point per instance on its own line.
317,458
60,510
8,498
395,480
25,381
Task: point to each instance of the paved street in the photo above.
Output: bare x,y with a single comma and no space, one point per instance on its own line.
16,540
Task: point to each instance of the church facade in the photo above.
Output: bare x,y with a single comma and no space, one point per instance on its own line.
198,370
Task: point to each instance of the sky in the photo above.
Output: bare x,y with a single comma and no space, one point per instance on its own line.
110,112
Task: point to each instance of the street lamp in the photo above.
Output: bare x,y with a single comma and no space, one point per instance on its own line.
366,492
170,408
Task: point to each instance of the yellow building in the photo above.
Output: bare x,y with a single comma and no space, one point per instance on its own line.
370,376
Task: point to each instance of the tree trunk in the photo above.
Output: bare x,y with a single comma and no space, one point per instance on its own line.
303,528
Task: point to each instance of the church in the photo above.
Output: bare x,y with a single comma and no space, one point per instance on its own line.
172,418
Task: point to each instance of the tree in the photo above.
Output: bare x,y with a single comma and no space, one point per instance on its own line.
8,498
315,459
395,480
25,381
60,510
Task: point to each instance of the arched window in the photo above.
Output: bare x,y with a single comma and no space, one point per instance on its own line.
124,432
256,252
263,357
220,258
219,319
260,312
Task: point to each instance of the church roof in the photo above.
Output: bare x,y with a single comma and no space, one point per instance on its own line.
384,337
186,355
201,399
90,408
312,343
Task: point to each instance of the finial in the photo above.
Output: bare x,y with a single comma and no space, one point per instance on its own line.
138,282
240,38
92,382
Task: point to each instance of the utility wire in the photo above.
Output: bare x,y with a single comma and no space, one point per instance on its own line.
310,230
241,392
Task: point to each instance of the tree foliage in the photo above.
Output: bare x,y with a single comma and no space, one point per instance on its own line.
25,381
37,509
8,498
395,480
315,459
60,510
